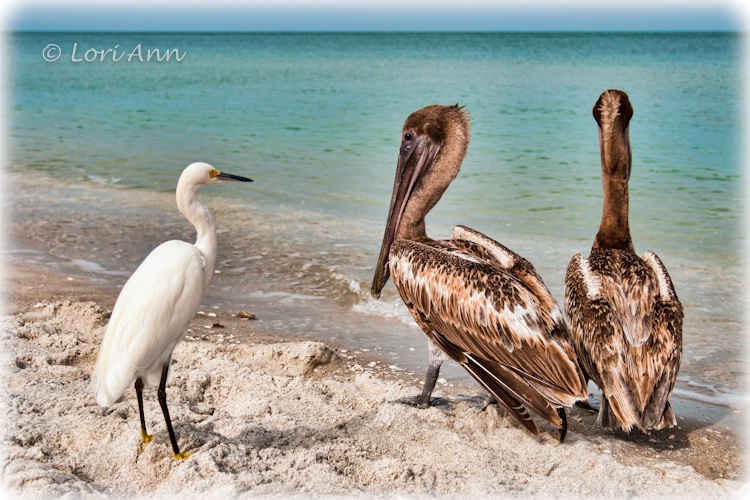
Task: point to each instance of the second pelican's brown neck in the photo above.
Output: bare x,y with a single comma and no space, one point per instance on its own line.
614,142
614,229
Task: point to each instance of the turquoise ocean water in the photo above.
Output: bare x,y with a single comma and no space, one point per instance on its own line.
315,119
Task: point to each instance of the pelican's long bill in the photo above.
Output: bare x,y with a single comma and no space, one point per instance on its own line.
231,177
415,155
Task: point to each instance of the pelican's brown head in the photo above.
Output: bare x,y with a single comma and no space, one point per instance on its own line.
433,144
612,113
437,123
613,107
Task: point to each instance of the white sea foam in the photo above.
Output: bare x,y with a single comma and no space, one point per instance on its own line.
93,267
284,297
104,180
711,394
718,399
393,309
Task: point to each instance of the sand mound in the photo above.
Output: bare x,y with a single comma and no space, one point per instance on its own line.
277,419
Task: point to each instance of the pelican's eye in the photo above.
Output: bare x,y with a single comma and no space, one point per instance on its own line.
407,142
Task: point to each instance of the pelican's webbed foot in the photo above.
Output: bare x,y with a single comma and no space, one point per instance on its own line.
489,401
425,400
418,402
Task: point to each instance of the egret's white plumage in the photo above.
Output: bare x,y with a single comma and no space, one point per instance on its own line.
150,317
156,304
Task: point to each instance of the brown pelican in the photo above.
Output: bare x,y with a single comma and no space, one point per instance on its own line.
623,313
479,303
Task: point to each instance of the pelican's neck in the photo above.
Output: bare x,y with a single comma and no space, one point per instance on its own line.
432,184
200,217
614,231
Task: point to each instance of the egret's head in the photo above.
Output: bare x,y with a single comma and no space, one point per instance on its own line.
202,174
194,177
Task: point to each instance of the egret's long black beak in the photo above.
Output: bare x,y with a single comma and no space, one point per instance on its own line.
412,161
231,177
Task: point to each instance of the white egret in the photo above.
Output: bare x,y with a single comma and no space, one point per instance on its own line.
154,309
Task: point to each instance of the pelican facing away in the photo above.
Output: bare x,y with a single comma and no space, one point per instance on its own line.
154,309
479,303
622,310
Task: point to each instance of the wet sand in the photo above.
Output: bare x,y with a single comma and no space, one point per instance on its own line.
271,416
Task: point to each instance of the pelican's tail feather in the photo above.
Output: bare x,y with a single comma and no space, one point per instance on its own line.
502,392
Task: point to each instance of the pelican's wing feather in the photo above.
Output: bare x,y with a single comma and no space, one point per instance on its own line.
497,255
666,327
666,288
626,322
479,311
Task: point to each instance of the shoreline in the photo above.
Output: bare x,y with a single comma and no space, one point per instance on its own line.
356,386
285,282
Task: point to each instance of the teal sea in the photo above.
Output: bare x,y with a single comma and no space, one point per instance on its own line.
99,135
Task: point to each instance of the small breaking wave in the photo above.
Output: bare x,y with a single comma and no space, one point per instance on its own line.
712,395
284,297
388,308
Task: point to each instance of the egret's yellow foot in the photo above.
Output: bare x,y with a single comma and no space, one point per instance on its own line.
181,456
147,438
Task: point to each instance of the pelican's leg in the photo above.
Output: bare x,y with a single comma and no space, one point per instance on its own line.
437,356
162,395
433,371
606,417
564,426
139,395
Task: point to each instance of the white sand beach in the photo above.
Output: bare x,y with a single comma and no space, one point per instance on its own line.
268,417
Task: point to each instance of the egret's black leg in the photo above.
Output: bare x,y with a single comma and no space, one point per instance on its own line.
564,426
162,395
139,395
